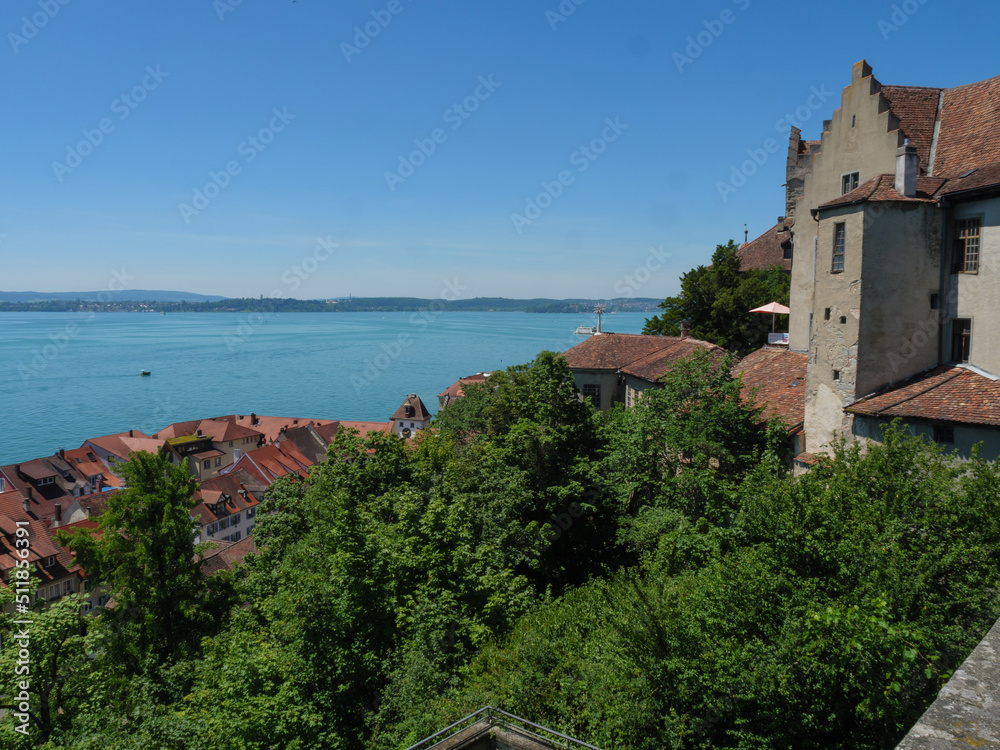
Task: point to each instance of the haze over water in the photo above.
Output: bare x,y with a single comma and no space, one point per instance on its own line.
67,377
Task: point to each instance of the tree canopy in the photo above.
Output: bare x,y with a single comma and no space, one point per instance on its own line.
641,578
716,301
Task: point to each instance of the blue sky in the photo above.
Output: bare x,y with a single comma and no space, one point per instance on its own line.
406,147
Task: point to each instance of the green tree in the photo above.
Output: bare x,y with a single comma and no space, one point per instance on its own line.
144,554
716,301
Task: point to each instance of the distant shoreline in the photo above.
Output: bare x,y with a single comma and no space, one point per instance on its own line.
372,304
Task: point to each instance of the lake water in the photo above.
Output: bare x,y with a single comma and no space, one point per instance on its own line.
66,377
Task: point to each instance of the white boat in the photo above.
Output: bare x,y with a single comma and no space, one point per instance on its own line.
586,330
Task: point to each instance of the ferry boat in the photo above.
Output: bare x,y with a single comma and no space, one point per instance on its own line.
586,330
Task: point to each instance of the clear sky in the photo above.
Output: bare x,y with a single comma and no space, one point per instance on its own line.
312,148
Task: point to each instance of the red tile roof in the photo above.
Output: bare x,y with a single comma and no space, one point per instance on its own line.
457,389
114,444
271,427
915,107
419,411
643,356
768,249
947,393
776,379
882,187
366,428
970,127
226,555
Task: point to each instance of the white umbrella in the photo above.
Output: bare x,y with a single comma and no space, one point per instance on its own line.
775,308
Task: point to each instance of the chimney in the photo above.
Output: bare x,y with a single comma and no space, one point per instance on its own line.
26,504
907,163
685,329
130,433
17,470
58,509
62,453
88,511
199,432
30,493
253,419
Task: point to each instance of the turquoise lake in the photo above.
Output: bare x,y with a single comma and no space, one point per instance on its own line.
67,377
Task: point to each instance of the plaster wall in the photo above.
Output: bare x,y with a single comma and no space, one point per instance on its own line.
833,346
899,330
977,296
861,136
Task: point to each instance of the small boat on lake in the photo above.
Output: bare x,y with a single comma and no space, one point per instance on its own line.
144,373
586,330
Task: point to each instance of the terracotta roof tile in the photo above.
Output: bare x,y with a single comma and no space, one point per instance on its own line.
419,414
916,108
882,187
948,393
271,427
970,127
637,354
768,249
776,378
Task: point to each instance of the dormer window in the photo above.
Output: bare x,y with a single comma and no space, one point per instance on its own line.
46,480
49,561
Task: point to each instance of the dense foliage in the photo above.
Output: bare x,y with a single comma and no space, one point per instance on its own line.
650,578
716,301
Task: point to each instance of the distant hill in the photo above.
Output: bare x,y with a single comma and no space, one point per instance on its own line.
145,301
131,295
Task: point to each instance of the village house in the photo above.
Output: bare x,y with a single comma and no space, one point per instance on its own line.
56,572
894,215
209,445
615,368
457,389
411,416
227,510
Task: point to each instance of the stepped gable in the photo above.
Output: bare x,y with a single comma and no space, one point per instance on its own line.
769,249
970,128
947,393
775,378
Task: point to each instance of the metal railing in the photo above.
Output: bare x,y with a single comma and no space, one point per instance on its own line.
494,717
